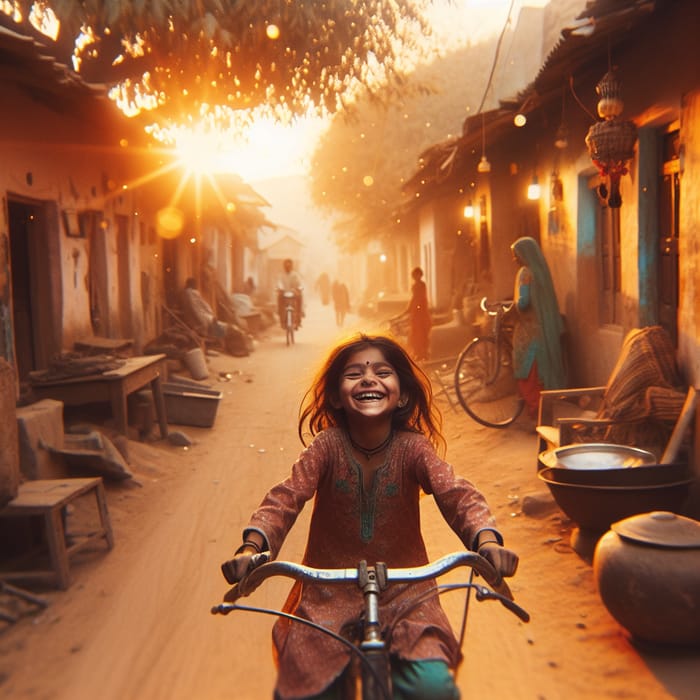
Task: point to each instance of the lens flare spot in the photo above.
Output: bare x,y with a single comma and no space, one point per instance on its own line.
169,222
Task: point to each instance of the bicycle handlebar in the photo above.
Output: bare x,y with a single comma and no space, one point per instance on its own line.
434,569
492,308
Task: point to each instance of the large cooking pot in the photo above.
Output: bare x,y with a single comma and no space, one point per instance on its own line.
595,506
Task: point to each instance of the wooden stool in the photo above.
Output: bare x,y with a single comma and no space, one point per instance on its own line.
47,498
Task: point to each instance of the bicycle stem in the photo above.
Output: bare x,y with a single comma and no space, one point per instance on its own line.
376,674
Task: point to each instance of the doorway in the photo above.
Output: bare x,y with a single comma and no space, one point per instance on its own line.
35,283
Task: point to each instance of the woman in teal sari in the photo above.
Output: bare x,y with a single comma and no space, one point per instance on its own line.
537,343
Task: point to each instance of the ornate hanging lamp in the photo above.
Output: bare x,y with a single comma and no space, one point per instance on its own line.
611,142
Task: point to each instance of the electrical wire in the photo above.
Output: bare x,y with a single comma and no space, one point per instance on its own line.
496,55
580,104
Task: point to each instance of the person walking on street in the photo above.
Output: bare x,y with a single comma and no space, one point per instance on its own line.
341,302
323,287
374,448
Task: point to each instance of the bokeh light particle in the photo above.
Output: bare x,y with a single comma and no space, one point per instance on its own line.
169,222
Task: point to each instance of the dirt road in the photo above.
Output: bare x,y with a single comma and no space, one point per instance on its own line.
135,623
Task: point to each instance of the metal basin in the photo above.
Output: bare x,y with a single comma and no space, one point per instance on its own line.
600,455
600,464
596,506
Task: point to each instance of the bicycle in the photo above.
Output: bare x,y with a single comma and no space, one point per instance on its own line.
398,326
484,381
289,308
372,652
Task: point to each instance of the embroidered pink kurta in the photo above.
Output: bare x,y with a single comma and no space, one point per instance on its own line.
351,522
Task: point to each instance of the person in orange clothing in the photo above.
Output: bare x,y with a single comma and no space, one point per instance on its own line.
420,321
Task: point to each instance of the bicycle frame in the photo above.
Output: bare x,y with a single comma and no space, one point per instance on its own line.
483,376
372,580
497,331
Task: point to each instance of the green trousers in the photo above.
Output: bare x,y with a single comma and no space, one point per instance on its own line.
411,680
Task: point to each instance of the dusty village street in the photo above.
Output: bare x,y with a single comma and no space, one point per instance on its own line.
135,623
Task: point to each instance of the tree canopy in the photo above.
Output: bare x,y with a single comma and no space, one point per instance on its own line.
361,162
187,57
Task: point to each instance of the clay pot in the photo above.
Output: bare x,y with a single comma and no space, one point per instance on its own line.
647,569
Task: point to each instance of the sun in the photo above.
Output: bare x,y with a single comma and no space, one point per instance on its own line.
269,149
198,150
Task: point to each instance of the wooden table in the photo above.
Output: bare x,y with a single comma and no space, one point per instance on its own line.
95,345
113,386
47,498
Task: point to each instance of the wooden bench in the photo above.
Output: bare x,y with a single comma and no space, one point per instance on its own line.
47,498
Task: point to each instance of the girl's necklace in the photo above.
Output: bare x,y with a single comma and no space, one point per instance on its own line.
369,453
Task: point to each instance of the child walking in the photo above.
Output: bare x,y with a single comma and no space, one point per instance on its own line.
375,436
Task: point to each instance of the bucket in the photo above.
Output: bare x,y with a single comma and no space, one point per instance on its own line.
196,363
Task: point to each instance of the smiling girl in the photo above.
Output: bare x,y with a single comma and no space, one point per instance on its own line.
374,440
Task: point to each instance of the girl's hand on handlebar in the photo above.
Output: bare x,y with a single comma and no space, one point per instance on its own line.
505,561
242,564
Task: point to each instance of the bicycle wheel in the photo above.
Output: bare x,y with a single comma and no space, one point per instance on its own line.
290,325
485,385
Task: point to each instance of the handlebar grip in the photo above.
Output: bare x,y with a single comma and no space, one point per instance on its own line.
503,589
232,595
229,572
228,568
485,568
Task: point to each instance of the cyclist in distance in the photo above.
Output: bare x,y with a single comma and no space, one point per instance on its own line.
538,361
290,281
372,443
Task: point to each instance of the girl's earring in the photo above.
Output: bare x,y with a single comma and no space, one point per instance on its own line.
402,403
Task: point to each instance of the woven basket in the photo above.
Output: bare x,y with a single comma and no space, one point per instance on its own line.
612,141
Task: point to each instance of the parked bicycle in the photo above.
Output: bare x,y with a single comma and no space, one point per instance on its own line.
371,650
484,381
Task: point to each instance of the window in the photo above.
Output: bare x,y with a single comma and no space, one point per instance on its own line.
609,263
91,221
669,231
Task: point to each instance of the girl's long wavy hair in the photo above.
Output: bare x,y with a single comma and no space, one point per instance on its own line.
317,411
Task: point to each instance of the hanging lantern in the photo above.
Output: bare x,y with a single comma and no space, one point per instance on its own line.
611,142
561,139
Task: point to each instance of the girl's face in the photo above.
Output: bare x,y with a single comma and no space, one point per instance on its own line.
369,385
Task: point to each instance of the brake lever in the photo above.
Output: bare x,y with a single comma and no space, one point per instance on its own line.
484,593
